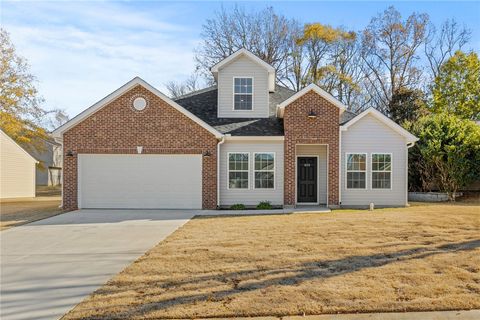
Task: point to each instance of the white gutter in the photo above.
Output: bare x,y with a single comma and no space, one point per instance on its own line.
222,140
254,138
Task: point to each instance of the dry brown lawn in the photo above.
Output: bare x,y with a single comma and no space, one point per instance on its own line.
409,259
16,213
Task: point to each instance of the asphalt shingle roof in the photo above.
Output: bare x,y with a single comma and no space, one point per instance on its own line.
203,104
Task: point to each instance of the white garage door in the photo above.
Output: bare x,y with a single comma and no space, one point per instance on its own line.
140,181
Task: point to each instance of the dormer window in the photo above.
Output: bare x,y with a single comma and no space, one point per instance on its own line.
242,93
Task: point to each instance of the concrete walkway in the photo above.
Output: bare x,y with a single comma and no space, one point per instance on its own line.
49,266
435,315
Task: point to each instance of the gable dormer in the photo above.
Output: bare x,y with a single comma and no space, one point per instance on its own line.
244,82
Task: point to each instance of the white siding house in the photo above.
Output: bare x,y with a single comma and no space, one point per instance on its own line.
17,170
50,158
371,137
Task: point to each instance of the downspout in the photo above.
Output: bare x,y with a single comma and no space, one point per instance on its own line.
340,166
222,140
409,145
63,171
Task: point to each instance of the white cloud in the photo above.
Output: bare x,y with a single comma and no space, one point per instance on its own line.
81,52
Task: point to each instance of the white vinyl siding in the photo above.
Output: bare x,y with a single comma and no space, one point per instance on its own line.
321,152
140,181
371,136
251,196
243,68
17,170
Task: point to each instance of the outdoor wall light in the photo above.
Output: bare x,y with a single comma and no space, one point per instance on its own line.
207,154
312,115
69,153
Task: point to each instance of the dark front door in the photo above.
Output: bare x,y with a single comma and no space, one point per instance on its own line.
307,179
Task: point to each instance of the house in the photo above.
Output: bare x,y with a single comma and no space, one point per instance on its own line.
245,140
49,155
17,170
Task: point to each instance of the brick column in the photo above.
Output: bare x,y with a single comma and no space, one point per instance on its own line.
300,129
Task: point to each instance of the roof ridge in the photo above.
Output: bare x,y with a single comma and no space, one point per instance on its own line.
193,93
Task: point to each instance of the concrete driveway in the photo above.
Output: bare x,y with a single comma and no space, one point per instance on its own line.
49,266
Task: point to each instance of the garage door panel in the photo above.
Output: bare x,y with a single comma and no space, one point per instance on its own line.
140,181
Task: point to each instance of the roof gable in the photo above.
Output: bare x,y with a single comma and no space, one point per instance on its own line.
129,85
244,52
316,89
11,141
385,120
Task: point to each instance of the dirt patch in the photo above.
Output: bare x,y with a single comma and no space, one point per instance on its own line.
15,213
48,191
410,259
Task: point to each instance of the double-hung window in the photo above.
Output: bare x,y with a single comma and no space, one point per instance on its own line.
381,171
264,168
243,93
356,170
238,170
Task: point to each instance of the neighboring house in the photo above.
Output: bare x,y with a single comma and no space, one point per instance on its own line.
17,170
49,172
245,140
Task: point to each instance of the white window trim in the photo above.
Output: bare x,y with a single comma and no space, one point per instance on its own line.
372,171
272,170
252,94
228,170
347,171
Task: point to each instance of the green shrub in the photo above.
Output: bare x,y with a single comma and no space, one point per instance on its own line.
237,206
264,205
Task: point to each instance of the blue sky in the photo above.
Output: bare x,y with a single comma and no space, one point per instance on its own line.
81,51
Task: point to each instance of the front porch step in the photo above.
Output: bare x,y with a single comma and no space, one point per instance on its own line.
310,208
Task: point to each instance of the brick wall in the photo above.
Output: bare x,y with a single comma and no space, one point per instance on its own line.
299,129
118,128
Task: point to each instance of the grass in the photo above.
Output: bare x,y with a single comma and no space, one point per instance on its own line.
408,259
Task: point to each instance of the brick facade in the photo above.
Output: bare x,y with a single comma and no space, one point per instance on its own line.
299,129
118,128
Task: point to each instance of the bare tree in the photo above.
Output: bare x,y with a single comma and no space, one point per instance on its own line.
264,33
389,50
318,41
177,89
293,71
442,45
343,74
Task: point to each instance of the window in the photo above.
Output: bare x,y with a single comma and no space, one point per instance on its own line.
264,168
356,170
381,171
238,170
243,94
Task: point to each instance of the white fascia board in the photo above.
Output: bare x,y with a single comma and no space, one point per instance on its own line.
316,89
384,119
271,70
129,85
254,138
